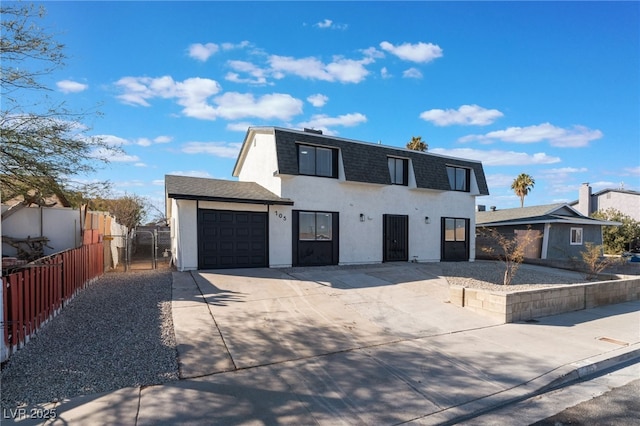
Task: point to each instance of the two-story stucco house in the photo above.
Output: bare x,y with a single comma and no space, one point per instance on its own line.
304,198
623,200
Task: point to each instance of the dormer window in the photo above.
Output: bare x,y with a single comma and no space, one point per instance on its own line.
317,161
458,178
398,170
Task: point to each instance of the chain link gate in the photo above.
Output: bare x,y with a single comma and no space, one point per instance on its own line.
143,249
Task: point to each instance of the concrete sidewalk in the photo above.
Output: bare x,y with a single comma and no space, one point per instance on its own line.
376,345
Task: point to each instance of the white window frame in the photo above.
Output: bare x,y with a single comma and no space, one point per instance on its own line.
577,232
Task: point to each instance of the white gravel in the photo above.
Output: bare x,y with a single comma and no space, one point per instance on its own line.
116,333
489,275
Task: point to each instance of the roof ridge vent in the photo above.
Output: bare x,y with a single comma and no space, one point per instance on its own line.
316,131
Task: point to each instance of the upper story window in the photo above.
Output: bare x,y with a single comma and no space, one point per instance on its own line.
458,178
398,170
317,161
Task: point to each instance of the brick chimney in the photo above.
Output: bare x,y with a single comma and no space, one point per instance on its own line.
584,199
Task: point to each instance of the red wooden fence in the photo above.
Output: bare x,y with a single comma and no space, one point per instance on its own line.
34,295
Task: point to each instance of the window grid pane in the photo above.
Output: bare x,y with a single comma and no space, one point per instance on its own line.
460,229
324,162
449,229
307,226
307,160
323,227
461,179
399,172
451,173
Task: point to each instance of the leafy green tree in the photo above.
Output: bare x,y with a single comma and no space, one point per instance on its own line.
417,144
522,185
43,144
616,238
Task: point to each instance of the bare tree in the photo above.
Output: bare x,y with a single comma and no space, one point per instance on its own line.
508,250
43,143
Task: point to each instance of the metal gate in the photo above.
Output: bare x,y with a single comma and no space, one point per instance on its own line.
142,249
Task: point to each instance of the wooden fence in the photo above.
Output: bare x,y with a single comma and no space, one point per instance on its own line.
34,295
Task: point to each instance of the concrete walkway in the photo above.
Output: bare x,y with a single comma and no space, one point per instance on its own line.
369,345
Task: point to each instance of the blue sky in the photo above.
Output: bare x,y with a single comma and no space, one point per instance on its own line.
550,89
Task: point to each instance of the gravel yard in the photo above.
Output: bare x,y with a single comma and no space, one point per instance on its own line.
488,275
116,333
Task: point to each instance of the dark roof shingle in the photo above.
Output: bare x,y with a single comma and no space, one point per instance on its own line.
367,162
192,188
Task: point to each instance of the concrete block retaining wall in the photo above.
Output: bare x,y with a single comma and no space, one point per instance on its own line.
511,306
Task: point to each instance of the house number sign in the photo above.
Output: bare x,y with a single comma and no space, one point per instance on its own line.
280,215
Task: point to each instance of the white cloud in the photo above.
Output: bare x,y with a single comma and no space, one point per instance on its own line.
69,86
144,142
218,149
202,52
324,122
498,157
114,156
384,73
258,75
412,73
190,173
328,23
232,46
635,171
324,24
112,140
419,52
317,100
465,115
193,95
341,70
499,180
140,165
163,139
239,127
575,137
233,105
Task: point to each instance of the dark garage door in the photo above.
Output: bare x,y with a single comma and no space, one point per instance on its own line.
232,239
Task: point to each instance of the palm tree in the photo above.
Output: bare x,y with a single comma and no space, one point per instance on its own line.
522,185
417,144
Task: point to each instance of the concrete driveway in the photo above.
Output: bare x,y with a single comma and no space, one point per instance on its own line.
235,319
358,345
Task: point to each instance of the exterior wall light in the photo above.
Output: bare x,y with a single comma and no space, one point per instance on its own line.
426,220
361,217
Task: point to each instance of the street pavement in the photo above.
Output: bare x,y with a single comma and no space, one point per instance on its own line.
357,345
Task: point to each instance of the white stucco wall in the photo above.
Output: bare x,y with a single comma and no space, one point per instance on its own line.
362,242
628,204
184,234
60,225
261,163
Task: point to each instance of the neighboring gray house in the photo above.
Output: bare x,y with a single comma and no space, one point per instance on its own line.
561,231
623,200
304,198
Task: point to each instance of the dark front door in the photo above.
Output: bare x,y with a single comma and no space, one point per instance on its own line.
232,239
455,239
396,238
315,238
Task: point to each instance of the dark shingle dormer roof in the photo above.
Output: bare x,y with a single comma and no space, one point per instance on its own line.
192,188
367,162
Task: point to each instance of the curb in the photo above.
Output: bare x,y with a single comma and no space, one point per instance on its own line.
560,377
592,366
